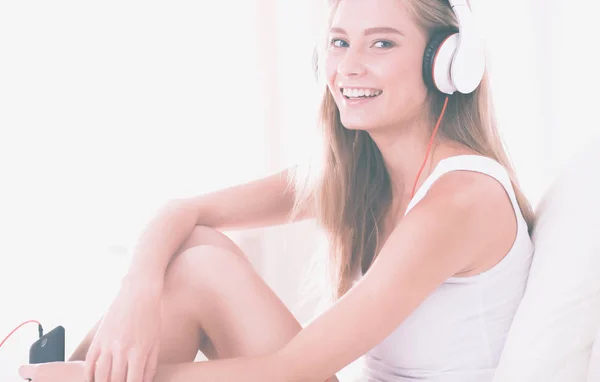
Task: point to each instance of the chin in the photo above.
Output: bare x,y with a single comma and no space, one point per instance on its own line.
360,123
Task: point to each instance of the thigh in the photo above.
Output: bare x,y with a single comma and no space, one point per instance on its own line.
203,235
238,313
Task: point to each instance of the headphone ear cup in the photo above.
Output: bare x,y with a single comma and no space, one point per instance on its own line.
430,70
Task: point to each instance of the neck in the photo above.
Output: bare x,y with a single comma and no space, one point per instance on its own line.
404,151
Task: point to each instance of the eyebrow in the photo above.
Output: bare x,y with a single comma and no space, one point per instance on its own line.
370,31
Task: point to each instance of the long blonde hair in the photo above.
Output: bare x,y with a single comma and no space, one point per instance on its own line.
349,190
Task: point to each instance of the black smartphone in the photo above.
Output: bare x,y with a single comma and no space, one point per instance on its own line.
49,348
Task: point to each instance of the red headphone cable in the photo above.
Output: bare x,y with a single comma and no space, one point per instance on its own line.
430,145
40,330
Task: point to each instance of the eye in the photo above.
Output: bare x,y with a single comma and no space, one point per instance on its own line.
384,44
338,43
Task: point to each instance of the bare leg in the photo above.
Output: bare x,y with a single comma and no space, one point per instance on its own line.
215,302
201,236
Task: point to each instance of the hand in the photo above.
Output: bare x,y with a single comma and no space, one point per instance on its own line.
53,372
125,348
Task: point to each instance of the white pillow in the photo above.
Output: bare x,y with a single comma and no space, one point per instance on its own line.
594,369
553,332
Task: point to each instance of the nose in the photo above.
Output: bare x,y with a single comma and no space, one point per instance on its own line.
351,64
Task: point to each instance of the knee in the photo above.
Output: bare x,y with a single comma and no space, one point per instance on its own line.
205,266
207,236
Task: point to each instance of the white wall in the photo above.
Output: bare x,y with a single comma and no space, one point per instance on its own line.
107,110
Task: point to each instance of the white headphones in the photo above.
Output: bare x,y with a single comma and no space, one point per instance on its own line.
455,60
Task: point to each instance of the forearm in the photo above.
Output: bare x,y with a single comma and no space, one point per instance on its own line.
160,240
247,369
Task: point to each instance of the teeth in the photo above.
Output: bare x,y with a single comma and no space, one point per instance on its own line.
356,93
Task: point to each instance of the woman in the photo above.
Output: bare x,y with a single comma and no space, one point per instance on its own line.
429,234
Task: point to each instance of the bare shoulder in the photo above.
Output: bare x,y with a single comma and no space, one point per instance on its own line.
481,206
471,188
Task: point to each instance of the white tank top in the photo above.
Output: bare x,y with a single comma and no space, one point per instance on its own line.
457,334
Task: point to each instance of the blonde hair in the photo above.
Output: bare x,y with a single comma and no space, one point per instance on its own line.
348,188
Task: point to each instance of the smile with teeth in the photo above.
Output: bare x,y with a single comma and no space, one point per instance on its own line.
360,93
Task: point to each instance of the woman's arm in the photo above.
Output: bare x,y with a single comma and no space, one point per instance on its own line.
446,233
263,202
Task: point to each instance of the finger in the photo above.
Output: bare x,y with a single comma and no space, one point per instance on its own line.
152,363
118,372
103,367
135,369
90,363
27,371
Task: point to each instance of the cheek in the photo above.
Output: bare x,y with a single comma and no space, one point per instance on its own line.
405,85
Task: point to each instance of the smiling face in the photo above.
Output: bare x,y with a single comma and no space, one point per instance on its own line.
374,64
